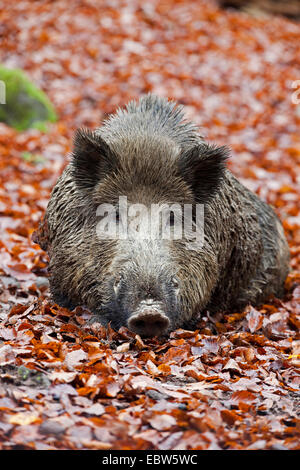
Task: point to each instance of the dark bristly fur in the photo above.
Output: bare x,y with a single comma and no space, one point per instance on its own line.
148,153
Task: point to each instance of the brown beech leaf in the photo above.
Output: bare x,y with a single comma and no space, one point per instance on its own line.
162,422
232,365
24,418
74,358
230,417
62,376
243,396
254,318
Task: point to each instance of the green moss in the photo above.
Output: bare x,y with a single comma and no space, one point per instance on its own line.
25,105
33,158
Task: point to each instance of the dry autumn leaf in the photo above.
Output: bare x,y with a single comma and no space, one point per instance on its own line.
24,418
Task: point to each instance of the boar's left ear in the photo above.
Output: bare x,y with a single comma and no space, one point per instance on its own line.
92,158
203,168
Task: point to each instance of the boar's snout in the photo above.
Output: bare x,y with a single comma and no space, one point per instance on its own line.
149,321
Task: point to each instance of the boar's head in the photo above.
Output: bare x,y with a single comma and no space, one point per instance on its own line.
149,284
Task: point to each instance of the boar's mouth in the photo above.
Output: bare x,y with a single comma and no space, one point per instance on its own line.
149,319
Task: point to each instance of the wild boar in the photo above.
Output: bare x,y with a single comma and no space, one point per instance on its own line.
149,155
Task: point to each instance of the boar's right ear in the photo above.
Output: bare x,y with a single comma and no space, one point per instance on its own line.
203,168
92,159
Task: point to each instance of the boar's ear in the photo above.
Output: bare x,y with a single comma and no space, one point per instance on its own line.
203,168
92,158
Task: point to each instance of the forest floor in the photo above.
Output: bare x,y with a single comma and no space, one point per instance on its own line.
234,382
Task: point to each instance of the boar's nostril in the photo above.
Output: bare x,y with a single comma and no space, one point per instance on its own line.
149,323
